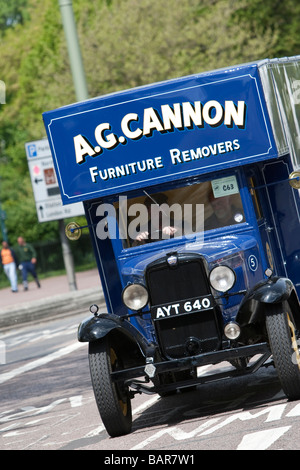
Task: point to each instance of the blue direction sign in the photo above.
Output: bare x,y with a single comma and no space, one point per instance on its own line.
45,185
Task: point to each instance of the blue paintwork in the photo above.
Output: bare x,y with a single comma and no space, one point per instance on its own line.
119,266
247,151
250,142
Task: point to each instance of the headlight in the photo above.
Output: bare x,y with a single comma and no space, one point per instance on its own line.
222,278
232,330
135,296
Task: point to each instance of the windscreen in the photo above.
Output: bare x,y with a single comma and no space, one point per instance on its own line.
180,212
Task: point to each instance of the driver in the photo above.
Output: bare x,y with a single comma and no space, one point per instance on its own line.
224,212
155,225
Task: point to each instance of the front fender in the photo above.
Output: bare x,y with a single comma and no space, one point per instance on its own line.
273,290
270,291
98,326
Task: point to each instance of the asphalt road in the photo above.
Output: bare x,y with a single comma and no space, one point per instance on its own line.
47,403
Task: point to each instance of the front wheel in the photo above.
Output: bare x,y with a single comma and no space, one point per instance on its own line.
284,347
112,398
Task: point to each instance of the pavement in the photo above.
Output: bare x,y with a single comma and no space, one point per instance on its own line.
53,299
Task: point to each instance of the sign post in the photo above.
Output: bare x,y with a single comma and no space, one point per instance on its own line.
47,197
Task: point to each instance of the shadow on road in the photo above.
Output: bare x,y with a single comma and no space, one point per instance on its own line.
211,399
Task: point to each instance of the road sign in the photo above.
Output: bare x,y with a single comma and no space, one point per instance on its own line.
45,186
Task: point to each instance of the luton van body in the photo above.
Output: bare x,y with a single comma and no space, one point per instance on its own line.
191,194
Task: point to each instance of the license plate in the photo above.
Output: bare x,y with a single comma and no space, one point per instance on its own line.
182,307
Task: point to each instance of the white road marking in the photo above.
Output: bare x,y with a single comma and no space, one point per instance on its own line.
76,401
295,411
146,404
139,409
214,424
2,352
261,440
177,433
40,362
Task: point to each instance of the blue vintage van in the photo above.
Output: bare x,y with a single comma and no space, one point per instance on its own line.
191,194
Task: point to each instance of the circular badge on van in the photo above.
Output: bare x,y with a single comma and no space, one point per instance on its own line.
253,263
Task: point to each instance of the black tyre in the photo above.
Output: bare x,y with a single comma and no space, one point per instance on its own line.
284,347
112,399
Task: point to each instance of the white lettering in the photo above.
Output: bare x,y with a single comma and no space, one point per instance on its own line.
116,460
82,148
167,310
175,306
169,117
235,114
184,156
125,170
151,122
213,113
205,303
93,172
126,129
159,313
110,140
192,114
175,156
236,144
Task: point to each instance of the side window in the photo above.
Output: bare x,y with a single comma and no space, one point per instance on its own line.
224,206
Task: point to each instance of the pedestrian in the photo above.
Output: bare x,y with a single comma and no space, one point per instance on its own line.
26,255
9,263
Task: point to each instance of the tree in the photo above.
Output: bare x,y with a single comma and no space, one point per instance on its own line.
125,43
277,16
12,13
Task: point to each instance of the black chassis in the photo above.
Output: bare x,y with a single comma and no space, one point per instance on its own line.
143,352
99,326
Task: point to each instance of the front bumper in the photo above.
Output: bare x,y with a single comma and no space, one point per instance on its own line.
130,376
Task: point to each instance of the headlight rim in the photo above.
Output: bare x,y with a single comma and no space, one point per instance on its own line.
232,325
131,285
223,291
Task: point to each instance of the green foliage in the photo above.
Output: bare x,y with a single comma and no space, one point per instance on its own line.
12,13
276,16
124,43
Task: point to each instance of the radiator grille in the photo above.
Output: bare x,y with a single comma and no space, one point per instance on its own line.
187,334
170,283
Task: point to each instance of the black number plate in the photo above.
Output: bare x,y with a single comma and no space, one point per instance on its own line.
181,307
